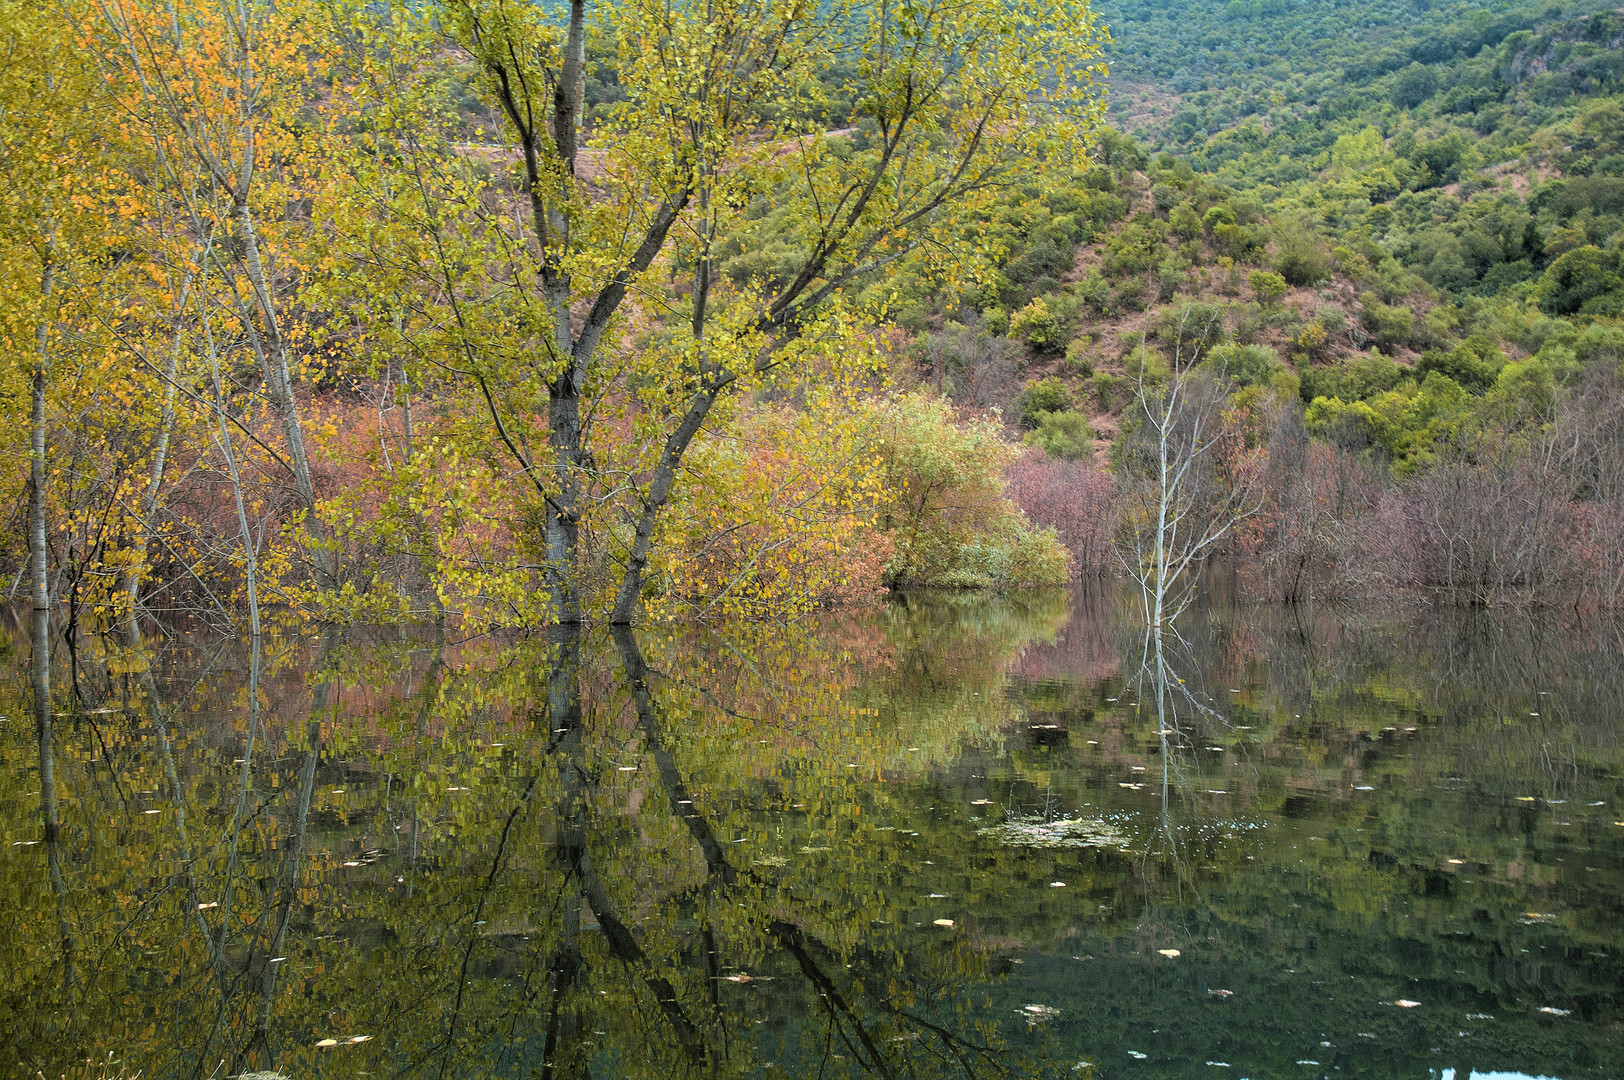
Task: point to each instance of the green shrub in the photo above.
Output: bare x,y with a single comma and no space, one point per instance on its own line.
1043,324
944,508
1245,365
1190,330
1389,325
1062,434
1267,286
1043,396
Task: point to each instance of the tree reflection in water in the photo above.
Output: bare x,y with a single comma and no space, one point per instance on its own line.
560,858
725,852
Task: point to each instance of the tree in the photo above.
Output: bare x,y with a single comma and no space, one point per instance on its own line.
600,306
1187,476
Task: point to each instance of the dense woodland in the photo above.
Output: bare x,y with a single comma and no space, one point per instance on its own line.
511,315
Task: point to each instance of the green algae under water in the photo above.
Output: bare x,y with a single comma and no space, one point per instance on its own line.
954,836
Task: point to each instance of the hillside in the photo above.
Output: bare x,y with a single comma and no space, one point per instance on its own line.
1428,211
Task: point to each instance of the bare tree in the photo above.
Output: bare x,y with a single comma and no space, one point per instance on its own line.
1187,476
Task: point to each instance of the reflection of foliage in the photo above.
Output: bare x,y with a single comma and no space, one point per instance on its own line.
739,864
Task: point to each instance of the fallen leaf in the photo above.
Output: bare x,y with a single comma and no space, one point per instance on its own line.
1406,1003
1554,1011
1169,953
1057,884
945,922
360,1038
741,977
327,1042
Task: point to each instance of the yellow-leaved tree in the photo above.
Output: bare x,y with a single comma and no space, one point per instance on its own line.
583,278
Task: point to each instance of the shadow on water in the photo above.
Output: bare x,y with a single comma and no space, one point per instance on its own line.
953,837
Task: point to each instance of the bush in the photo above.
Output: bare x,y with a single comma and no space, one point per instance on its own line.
1390,326
1043,396
1042,324
1245,365
943,506
1190,330
1300,259
1268,287
1062,434
1472,364
1585,281
1075,499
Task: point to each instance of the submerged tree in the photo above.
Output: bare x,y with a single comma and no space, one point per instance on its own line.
597,303
1188,476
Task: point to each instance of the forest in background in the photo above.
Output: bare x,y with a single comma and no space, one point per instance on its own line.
1385,240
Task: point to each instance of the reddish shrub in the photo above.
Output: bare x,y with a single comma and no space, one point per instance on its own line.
1074,498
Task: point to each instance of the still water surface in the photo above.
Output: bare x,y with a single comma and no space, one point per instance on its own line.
951,837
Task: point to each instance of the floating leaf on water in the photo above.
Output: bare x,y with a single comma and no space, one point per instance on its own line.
1554,1011
360,1038
1169,953
948,923
937,896
1217,791
1057,884
813,849
627,768
1137,1055
980,802
1219,1064
1138,768
1363,787
277,960
324,1043
210,904
1222,993
1307,1061
24,843
1457,862
152,811
1525,798
352,864
741,977
1406,1003
1469,1016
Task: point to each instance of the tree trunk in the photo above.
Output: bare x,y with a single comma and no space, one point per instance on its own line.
665,475
278,373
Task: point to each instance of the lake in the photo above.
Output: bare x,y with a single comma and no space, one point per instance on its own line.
954,836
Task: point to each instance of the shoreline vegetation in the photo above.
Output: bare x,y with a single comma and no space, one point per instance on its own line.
514,318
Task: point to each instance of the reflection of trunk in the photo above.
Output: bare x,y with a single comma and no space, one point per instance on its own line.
560,1056
795,942
564,716
722,874
166,757
293,846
